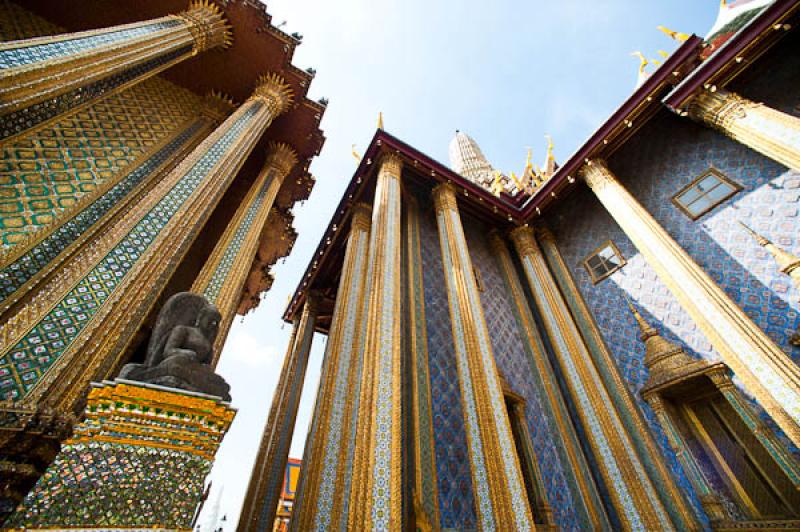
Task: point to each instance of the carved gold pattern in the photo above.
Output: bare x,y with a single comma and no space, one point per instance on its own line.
766,130
632,491
540,365
765,370
500,497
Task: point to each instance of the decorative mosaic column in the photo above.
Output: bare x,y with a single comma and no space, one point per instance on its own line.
575,465
77,325
138,461
325,467
376,486
45,77
629,413
765,370
224,274
633,494
765,130
500,496
266,481
29,262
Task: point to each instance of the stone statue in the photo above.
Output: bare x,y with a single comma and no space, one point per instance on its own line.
181,348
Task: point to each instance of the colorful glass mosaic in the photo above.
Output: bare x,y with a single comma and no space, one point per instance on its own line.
139,460
26,55
44,172
33,261
38,113
226,262
23,365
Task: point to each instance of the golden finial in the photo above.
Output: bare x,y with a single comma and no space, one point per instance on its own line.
549,146
663,54
676,35
760,239
644,327
355,153
642,61
787,262
380,120
497,184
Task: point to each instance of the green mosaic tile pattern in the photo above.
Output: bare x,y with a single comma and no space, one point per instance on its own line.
23,365
47,171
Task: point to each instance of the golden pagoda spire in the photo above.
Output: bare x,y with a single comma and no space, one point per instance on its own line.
497,184
380,120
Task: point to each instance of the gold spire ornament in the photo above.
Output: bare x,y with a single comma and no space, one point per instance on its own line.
643,62
497,184
355,153
380,120
787,263
675,35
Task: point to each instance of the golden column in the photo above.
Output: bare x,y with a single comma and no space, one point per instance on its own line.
766,130
629,412
45,77
225,272
100,293
376,494
590,504
632,492
266,481
500,496
325,472
764,369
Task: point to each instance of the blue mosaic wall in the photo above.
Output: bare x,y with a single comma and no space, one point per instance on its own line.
454,480
664,156
512,363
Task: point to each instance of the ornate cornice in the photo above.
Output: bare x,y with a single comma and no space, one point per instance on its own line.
362,217
444,197
282,157
391,164
273,90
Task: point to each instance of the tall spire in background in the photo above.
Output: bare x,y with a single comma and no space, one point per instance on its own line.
467,159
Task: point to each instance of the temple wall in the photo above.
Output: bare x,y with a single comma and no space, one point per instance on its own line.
514,365
663,157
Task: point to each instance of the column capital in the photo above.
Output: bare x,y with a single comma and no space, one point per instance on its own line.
596,174
217,106
718,108
497,242
444,197
524,240
391,164
313,299
207,24
544,235
281,156
273,90
361,218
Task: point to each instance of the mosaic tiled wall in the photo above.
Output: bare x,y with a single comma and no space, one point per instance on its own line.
456,503
664,156
18,23
512,362
43,173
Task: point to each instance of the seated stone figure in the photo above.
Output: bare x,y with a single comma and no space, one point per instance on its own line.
181,348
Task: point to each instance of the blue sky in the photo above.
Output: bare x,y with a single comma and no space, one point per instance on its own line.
507,73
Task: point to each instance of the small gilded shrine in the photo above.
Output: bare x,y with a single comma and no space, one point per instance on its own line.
609,343
151,156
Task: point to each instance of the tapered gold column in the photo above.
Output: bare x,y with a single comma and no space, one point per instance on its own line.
77,325
766,130
324,472
376,494
224,274
499,489
633,494
589,505
266,480
630,415
45,77
764,369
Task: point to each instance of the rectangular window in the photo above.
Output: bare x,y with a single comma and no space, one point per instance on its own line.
704,193
604,261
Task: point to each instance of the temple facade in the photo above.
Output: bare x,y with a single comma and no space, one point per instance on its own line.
149,149
606,344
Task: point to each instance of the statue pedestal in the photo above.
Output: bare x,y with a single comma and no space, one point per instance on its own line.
138,460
